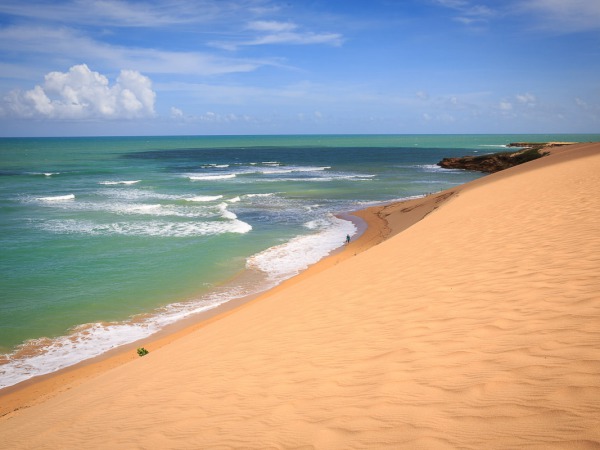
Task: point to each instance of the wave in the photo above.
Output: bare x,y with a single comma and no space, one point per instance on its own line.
436,168
274,171
286,260
292,170
145,209
57,198
42,356
137,194
45,174
151,228
204,198
269,194
327,178
225,213
211,177
110,183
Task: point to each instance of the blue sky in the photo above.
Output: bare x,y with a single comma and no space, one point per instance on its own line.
169,67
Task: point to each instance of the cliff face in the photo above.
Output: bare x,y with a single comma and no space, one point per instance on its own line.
496,161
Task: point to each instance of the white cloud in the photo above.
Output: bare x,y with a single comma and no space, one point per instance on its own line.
122,13
83,94
176,113
469,13
297,39
222,118
272,26
58,45
526,99
208,117
281,33
505,106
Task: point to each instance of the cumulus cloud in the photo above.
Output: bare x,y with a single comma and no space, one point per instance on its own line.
82,93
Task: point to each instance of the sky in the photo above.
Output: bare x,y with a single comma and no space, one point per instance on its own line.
235,67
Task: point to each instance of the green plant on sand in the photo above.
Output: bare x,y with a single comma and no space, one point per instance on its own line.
142,351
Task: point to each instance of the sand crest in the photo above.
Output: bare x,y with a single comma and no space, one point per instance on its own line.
476,327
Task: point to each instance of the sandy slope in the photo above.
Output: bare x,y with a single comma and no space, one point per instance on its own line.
477,327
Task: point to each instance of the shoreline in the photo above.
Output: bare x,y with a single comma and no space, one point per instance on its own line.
474,327
373,227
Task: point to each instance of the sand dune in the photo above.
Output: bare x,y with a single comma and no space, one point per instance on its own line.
477,327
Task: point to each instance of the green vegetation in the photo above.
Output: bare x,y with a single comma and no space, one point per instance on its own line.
142,351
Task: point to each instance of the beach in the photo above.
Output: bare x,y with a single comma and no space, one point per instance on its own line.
465,319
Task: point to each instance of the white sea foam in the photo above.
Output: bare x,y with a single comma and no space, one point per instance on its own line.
269,194
204,198
57,198
285,260
126,182
225,213
143,209
234,200
42,356
136,194
293,169
436,168
275,171
211,177
123,208
45,174
325,178
52,355
215,166
154,228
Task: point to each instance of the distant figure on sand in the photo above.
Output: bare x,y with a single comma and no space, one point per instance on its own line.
347,239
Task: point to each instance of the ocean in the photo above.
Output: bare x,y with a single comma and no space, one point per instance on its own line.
105,241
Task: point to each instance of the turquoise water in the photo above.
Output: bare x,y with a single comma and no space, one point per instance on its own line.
106,240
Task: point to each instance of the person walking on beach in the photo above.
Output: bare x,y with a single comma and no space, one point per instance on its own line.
347,239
